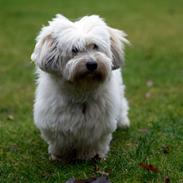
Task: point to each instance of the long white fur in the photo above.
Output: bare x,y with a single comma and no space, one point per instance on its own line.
69,117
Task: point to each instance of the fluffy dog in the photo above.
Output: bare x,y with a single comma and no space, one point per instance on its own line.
79,99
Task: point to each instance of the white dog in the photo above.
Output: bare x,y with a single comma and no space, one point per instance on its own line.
80,95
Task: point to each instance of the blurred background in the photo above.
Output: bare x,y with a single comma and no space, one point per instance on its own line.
153,74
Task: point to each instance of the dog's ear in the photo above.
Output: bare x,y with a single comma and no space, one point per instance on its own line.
45,53
117,46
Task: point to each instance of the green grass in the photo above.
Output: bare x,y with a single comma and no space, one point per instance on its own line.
155,31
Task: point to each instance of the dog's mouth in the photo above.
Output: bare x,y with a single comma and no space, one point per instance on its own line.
90,76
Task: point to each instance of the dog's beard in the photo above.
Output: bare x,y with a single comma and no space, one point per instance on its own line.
89,80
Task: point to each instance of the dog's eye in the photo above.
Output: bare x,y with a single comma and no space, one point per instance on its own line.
95,47
75,51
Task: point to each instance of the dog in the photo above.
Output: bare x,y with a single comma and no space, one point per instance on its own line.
79,100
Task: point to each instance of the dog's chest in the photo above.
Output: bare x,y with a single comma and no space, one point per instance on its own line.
86,117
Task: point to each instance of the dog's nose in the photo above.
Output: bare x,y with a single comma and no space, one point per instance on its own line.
91,65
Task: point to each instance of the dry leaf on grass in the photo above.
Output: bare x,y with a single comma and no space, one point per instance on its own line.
101,179
149,167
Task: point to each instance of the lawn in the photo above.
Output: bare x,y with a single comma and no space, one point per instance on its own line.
153,74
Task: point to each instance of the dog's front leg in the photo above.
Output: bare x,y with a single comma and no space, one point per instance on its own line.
103,146
55,143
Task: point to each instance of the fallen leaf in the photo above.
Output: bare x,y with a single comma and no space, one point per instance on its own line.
149,167
72,180
101,179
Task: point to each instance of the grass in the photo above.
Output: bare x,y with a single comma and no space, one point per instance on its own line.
156,112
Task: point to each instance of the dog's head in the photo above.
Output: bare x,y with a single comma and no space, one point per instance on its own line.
81,51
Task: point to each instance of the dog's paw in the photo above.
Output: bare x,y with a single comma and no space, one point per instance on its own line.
53,157
98,158
124,124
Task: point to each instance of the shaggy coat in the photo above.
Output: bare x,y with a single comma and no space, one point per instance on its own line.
79,98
